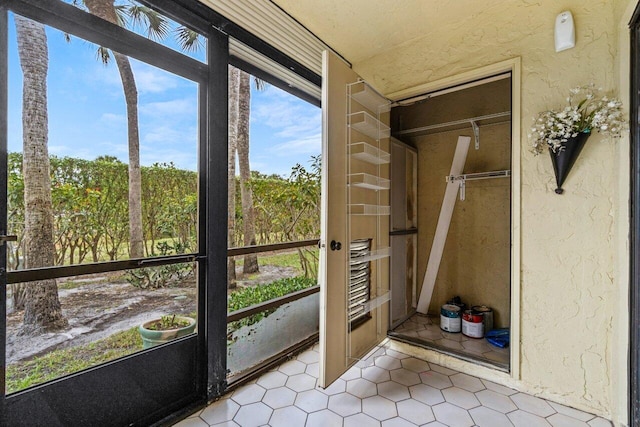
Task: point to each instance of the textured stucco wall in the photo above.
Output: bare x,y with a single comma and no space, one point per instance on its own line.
572,288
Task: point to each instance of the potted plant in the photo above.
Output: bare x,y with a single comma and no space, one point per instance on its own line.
164,329
564,132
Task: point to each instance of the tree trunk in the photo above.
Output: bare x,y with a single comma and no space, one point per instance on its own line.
106,10
234,80
42,306
248,217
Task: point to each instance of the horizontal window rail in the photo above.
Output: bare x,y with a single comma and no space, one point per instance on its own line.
43,273
271,304
255,249
55,272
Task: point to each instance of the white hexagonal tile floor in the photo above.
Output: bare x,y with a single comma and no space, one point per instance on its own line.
388,389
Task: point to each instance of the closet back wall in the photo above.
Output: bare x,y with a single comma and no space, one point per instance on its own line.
476,261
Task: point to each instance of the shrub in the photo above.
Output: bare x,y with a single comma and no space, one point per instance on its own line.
255,295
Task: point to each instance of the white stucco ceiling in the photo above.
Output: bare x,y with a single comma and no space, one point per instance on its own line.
361,29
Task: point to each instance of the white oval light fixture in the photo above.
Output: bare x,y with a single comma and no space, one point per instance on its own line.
565,34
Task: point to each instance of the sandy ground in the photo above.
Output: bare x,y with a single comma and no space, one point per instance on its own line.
98,308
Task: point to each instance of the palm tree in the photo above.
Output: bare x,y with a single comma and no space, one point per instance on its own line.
248,217
106,10
42,306
157,27
234,80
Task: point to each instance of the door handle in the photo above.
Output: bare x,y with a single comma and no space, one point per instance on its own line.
4,238
335,246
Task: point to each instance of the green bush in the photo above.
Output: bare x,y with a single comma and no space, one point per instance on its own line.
255,295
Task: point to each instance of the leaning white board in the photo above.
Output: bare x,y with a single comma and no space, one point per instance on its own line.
442,229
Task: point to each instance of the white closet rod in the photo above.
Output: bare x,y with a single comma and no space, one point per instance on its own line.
479,175
455,123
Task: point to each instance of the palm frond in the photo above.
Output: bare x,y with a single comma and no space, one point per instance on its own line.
259,83
121,14
156,25
103,55
188,39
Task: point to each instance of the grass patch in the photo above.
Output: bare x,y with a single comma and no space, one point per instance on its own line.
58,363
290,259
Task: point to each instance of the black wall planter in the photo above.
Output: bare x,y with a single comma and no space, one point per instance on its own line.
563,160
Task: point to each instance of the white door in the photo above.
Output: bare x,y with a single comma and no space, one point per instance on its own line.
354,254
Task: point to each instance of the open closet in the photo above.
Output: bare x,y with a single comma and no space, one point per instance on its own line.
416,217
451,221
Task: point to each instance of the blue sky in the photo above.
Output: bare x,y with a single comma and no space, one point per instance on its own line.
87,113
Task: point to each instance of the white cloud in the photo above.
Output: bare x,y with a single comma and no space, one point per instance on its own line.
151,80
310,144
285,113
113,119
172,108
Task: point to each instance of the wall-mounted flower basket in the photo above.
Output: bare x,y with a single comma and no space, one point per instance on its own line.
564,158
564,132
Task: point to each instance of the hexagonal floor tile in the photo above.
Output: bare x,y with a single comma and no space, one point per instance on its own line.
387,362
442,369
467,382
414,411
532,404
426,394
220,411
573,413
451,415
279,397
436,379
490,385
485,417
376,374
405,377
379,408
308,357
460,397
313,369
324,418
344,404
496,401
301,382
250,393
562,420
430,335
287,417
311,401
522,418
338,386
351,374
253,415
272,379
397,422
361,420
454,345
415,365
393,391
361,388
292,367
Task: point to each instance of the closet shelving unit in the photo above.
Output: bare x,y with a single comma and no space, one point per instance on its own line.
367,200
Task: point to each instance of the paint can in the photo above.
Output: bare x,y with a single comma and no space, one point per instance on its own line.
472,324
487,314
450,318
